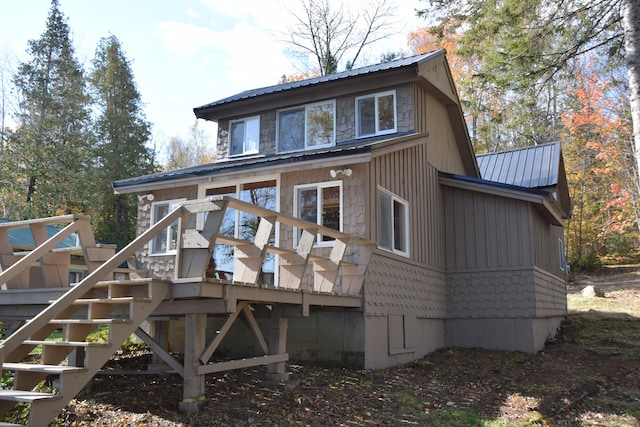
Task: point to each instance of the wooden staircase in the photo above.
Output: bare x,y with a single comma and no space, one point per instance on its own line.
108,301
118,306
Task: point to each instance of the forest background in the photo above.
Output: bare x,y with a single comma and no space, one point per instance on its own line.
527,72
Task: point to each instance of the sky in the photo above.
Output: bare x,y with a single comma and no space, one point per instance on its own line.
183,53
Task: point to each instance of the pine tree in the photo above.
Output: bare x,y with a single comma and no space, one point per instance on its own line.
122,134
50,153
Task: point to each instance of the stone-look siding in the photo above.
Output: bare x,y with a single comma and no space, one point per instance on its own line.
345,121
159,266
392,284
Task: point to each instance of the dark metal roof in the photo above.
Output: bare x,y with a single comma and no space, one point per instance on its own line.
386,66
531,167
23,237
263,160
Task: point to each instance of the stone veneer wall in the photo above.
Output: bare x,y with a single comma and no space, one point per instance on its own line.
159,266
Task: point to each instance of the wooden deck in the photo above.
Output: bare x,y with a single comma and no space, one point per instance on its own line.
36,298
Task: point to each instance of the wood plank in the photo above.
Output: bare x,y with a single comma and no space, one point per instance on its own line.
243,363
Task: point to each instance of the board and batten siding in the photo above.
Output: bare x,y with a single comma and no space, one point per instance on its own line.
547,238
407,174
485,231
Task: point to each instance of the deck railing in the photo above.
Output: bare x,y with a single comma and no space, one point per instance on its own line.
330,273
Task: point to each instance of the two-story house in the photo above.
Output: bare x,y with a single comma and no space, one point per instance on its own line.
382,152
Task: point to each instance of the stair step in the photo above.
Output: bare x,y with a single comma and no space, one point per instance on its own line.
67,343
118,300
45,369
87,321
25,396
2,424
130,282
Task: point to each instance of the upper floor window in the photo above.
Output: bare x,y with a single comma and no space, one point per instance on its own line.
244,136
166,242
306,127
393,223
321,204
376,114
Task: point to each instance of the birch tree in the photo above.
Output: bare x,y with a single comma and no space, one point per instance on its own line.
335,34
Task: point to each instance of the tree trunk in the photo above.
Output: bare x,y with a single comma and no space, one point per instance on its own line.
631,24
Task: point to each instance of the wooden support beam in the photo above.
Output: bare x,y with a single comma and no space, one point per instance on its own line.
278,344
158,350
243,363
253,325
211,348
193,387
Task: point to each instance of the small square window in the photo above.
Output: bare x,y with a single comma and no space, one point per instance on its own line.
244,136
376,114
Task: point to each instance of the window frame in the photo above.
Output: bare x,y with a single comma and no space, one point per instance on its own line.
171,206
394,199
244,140
296,209
306,108
377,131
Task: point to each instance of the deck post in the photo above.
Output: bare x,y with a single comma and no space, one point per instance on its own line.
194,344
277,372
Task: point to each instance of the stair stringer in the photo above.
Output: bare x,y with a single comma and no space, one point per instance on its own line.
44,410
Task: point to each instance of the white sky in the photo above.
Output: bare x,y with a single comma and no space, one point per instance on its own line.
184,53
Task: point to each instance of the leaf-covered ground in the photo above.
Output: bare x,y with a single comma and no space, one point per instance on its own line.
590,375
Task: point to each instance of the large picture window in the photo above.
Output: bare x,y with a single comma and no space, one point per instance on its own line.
244,225
164,243
376,114
306,127
244,136
393,223
321,204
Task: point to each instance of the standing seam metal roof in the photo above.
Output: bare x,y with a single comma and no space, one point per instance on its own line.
391,65
530,167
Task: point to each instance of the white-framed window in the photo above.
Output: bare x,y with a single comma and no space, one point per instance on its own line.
164,243
393,222
306,127
563,259
320,203
240,224
244,136
376,114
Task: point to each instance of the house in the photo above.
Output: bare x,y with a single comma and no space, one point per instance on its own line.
346,220
464,256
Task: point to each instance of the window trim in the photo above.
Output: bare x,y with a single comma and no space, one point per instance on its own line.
296,209
244,141
377,131
394,198
306,142
172,204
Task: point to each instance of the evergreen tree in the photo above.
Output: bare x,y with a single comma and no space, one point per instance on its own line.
122,133
50,153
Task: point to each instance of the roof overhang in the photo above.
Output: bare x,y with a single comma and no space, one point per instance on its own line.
543,200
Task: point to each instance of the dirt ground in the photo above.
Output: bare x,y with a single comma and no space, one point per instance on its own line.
588,376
